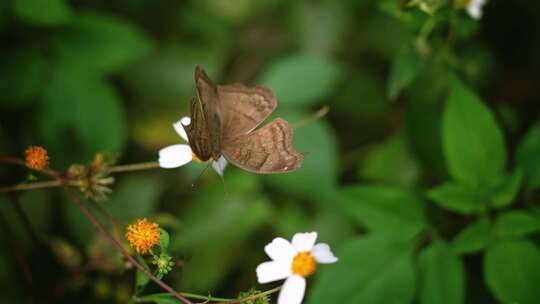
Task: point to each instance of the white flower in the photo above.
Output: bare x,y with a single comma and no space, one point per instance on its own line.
474,8
178,155
294,262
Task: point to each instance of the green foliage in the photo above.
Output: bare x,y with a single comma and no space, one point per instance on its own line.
527,157
22,76
98,44
301,79
384,210
84,108
516,224
373,269
164,240
406,66
460,198
473,238
441,275
42,13
473,143
511,270
428,157
391,163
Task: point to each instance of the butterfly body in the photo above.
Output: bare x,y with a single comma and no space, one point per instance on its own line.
224,121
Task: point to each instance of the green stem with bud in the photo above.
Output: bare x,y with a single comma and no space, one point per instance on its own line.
153,297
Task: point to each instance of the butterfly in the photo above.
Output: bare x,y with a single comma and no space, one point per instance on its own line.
223,128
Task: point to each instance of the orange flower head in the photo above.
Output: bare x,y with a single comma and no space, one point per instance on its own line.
36,158
143,235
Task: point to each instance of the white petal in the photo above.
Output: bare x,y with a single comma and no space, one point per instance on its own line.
280,250
273,271
179,127
304,241
292,291
219,165
475,8
174,156
322,254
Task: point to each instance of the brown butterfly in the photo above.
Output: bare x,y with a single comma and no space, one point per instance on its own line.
222,125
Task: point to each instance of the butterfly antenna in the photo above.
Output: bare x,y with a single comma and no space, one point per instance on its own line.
317,115
195,184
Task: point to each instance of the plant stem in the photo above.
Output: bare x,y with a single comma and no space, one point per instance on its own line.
20,162
120,248
253,297
30,186
134,167
152,297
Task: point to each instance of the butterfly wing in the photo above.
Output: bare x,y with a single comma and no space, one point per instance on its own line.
244,108
204,132
266,150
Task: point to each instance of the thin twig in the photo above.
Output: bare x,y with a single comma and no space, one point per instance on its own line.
24,219
31,186
20,162
120,248
133,167
18,254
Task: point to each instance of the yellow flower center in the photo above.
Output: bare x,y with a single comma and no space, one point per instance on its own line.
304,264
196,158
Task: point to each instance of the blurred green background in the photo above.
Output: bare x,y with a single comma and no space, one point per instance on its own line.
424,177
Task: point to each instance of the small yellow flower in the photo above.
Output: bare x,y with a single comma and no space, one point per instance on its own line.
143,235
36,158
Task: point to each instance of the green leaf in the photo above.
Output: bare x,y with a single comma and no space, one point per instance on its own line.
319,26
512,271
423,133
141,279
319,167
164,240
473,238
391,163
166,77
442,276
528,157
85,113
22,76
504,192
406,66
459,198
43,13
516,224
301,79
373,269
99,44
473,143
385,210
